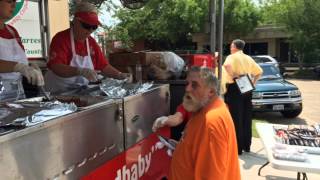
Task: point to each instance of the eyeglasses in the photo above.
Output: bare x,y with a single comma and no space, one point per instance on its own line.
89,27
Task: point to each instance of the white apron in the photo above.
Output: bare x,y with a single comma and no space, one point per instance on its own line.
11,83
55,83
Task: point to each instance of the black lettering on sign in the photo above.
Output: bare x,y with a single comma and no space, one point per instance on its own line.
36,51
31,41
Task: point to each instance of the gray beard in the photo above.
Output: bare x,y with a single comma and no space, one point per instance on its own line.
192,105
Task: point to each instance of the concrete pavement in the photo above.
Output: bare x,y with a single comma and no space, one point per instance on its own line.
311,99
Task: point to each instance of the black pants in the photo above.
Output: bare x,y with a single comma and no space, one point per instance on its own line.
240,107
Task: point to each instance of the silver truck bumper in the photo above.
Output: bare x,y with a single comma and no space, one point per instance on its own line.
276,101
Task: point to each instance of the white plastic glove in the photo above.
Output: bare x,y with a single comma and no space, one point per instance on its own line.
90,74
159,122
160,145
33,75
127,76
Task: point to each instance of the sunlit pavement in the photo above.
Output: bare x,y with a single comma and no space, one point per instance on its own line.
310,90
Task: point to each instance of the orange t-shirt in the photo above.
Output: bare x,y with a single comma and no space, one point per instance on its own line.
208,148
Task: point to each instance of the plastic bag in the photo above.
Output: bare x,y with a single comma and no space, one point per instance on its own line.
174,62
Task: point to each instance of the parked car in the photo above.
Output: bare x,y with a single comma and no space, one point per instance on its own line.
265,59
317,70
270,60
274,94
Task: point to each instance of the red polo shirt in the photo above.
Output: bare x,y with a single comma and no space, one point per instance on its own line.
61,51
185,114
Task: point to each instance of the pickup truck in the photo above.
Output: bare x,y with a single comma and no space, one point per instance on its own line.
274,94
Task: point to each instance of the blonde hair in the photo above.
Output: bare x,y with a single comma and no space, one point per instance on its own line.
85,7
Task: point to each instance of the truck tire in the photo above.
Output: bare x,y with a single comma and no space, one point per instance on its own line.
291,113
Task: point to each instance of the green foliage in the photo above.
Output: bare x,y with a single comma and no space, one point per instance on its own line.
301,19
241,16
174,20
163,20
270,10
253,126
118,34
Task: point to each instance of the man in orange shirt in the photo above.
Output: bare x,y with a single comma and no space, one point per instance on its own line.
208,147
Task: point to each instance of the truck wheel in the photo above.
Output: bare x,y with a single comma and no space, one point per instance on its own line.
291,113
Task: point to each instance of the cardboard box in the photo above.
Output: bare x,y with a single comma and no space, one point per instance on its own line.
126,62
129,59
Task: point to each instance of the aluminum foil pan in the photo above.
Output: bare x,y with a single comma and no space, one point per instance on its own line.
114,88
29,114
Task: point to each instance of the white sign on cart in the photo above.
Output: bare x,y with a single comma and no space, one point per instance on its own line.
26,20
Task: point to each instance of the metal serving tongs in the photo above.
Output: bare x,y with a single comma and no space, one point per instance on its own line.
46,95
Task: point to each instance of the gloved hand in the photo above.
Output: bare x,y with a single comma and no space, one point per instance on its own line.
127,76
33,75
169,152
159,122
90,74
160,145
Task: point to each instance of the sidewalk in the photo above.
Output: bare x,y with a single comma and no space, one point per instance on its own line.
251,162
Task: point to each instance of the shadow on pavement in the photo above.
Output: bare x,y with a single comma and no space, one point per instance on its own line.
277,118
269,177
252,159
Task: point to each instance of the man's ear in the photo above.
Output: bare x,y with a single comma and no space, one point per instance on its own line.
212,92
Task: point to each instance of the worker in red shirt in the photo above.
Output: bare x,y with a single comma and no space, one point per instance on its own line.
13,60
75,57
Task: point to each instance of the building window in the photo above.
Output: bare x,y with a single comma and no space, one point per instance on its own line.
256,48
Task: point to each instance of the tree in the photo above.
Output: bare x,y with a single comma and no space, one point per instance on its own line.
119,34
301,20
241,17
163,20
172,21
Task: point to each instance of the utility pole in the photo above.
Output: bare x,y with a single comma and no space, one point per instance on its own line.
220,46
212,15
